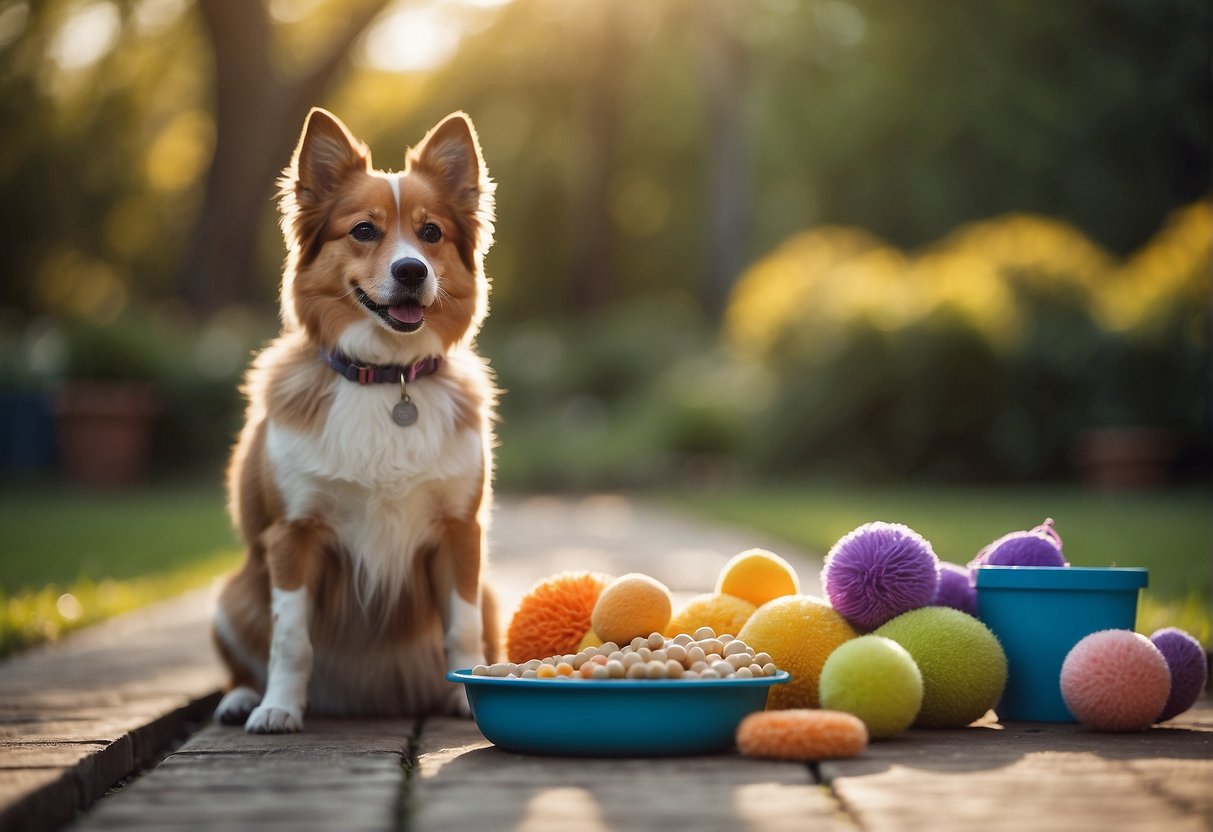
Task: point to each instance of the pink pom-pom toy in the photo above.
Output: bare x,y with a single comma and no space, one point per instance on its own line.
1115,680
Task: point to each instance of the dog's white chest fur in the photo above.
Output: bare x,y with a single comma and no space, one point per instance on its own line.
378,485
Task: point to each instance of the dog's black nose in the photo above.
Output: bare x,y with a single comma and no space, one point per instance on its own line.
410,272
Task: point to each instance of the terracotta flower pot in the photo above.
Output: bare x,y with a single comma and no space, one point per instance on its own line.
105,431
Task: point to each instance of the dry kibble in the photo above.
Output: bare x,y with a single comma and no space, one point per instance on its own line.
655,670
704,656
734,646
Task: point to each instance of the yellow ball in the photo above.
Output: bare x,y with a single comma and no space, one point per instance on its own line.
799,632
758,576
631,605
723,613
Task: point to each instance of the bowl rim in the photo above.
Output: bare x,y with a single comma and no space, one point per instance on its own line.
569,684
1111,578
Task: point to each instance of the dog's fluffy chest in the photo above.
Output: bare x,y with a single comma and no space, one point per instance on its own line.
381,487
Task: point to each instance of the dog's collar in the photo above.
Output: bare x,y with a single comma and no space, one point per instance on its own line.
381,373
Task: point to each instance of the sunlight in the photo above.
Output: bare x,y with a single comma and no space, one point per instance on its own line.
416,37
86,37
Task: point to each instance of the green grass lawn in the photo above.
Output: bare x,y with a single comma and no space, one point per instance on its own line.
72,557
1169,532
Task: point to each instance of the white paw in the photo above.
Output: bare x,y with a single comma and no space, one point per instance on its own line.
236,705
268,719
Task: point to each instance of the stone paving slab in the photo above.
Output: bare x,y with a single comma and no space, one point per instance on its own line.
78,716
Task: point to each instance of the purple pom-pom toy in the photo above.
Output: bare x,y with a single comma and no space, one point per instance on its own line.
878,571
1040,546
1186,659
955,589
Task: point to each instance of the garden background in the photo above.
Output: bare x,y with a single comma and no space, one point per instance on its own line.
791,264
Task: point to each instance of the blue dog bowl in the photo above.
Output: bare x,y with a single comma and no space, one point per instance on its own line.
1038,614
615,717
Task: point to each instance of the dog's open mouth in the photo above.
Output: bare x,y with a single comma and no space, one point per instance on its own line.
402,317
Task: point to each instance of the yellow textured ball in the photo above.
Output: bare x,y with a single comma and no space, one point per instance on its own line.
799,632
723,613
758,576
629,606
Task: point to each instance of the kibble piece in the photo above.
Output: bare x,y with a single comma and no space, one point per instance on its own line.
744,673
630,659
676,652
735,646
711,645
673,669
608,648
724,668
763,659
769,669
564,669
690,674
480,670
532,664
695,653
644,653
659,655
546,671
501,669
529,673
708,673
600,671
757,670
699,666
704,632
738,660
656,640
683,639
638,642
726,638
635,671
615,669
655,670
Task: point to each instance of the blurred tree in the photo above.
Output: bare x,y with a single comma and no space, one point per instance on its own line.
258,113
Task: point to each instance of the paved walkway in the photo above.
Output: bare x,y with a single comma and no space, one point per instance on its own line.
77,717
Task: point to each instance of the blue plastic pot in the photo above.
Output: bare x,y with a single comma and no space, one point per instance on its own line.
1038,614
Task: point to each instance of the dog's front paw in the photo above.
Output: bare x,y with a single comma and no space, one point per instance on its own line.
269,719
236,705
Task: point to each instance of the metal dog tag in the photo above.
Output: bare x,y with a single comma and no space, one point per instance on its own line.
404,413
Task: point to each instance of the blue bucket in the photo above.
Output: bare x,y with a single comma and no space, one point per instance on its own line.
1038,613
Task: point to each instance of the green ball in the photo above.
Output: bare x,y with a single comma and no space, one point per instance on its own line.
875,679
963,666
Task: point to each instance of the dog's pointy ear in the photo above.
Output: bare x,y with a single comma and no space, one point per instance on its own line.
450,154
327,152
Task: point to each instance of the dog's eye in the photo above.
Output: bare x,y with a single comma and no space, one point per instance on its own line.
364,232
431,233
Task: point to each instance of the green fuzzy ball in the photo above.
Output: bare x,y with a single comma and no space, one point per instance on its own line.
875,679
963,666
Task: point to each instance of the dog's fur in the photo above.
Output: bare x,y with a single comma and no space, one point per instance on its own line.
365,540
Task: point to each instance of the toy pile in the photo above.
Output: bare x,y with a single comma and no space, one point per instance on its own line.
895,642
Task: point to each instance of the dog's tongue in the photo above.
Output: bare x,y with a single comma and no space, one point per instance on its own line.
407,313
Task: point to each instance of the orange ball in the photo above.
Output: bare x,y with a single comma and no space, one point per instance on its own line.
554,616
802,734
631,605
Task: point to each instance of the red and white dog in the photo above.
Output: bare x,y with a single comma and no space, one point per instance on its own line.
361,480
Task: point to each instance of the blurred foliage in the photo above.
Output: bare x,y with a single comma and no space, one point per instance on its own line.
982,357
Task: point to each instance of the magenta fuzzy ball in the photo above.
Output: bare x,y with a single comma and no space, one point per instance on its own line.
878,571
1040,546
1186,660
955,589
1115,680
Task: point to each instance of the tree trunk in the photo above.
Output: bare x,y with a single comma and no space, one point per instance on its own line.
258,114
723,70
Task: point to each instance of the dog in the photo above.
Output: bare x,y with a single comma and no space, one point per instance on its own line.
361,480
